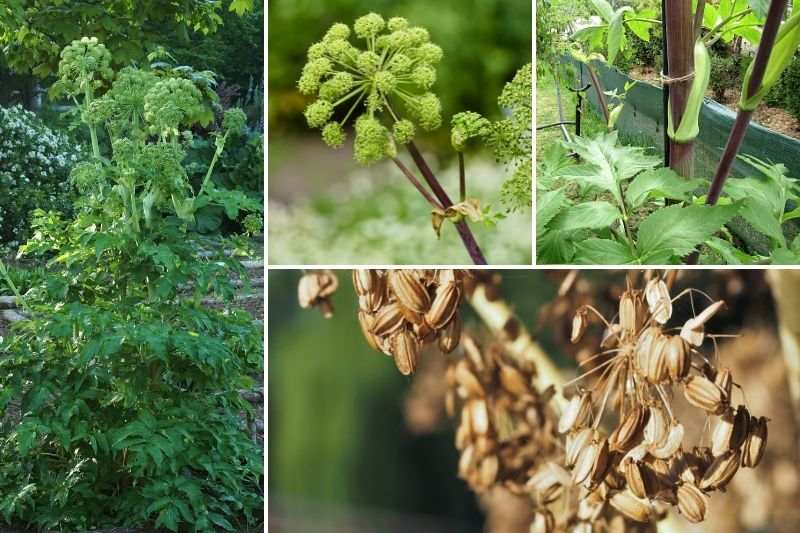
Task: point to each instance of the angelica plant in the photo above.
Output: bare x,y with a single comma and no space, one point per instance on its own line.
383,86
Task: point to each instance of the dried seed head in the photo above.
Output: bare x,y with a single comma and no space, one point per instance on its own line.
692,502
705,394
579,324
409,290
514,381
637,509
451,334
658,301
677,357
721,471
444,305
405,348
314,289
366,280
756,442
576,413
465,378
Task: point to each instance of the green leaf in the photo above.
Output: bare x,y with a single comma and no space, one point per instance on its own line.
794,213
677,230
784,256
660,183
641,28
240,7
553,248
757,212
764,190
604,9
602,252
759,7
548,206
615,35
168,518
220,521
729,253
588,215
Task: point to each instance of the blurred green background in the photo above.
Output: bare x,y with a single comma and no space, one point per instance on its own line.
324,205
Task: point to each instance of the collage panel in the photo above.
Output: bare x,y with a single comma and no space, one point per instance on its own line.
400,133
667,132
516,401
131,266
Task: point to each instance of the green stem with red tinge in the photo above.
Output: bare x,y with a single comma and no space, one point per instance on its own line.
768,36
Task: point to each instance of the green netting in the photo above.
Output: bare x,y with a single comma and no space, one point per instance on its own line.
642,119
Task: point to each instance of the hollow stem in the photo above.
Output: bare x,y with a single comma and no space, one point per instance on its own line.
415,182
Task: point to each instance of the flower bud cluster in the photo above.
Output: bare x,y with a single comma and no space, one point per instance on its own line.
391,76
85,64
171,103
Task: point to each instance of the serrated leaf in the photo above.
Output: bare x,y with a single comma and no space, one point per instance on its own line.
240,7
729,253
677,230
588,215
602,252
784,256
548,206
552,248
757,212
640,28
168,518
660,183
615,34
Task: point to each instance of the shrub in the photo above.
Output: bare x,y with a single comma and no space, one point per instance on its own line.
726,73
785,93
126,384
35,163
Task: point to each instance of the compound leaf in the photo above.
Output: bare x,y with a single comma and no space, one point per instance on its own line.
677,230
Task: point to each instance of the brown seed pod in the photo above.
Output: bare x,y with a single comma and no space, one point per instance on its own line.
405,348
388,320
721,471
724,381
465,378
315,288
721,437
678,359
601,464
579,323
543,522
644,347
640,479
637,509
671,445
479,416
444,305
692,502
627,312
488,469
656,371
611,337
576,413
370,286
585,463
409,290
629,430
756,442
513,381
705,394
658,301
367,321
450,336
693,331
741,427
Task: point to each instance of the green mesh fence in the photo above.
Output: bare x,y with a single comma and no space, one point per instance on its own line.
641,122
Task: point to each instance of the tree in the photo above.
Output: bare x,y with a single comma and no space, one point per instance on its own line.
33,33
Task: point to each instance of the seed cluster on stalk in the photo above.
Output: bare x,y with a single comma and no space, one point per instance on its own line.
401,311
315,289
395,71
645,464
506,428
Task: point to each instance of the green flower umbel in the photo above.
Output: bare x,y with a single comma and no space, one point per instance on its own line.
389,78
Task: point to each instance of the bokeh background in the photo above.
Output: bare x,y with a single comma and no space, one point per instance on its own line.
324,208
354,446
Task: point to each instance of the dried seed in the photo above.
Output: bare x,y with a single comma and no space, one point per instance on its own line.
756,442
705,394
579,323
488,470
627,312
543,522
639,478
629,429
693,331
692,502
658,301
721,471
365,280
576,413
444,305
600,465
676,353
724,381
741,427
451,334
577,441
409,290
611,337
721,438
466,462
657,427
514,381
637,509
644,347
467,379
585,463
367,321
479,416
405,348
656,369
388,320
671,445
